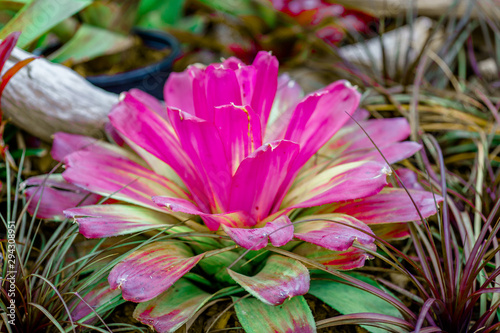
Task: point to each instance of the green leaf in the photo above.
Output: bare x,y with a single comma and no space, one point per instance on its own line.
216,266
292,316
118,16
39,16
170,310
280,278
348,300
168,12
151,270
91,42
38,152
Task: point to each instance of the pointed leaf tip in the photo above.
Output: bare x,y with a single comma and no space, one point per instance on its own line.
151,270
281,278
293,316
170,310
335,232
279,232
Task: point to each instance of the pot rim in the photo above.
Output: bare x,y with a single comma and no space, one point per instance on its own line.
136,74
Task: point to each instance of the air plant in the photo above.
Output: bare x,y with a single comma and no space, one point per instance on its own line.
453,265
50,278
454,273
255,161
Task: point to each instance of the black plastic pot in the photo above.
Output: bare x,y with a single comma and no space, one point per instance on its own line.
151,78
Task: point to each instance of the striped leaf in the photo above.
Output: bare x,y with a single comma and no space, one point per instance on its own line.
292,316
170,310
342,260
279,279
151,270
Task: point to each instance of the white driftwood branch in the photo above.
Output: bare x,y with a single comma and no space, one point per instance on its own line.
396,43
44,98
433,8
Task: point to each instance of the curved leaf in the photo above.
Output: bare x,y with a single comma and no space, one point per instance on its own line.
100,221
391,205
90,42
212,221
293,316
216,266
151,270
348,300
52,195
107,173
348,181
38,17
279,232
335,232
170,310
279,279
342,260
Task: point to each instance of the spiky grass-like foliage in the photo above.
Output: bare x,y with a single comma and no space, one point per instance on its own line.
452,263
50,273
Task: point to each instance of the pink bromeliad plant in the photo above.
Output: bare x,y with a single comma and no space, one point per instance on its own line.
237,158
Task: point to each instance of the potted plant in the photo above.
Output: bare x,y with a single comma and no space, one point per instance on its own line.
98,40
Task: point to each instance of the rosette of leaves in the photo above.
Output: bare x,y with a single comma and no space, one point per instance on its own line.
238,175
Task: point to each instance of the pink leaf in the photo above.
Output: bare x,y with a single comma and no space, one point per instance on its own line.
151,270
178,91
119,177
382,131
314,121
409,179
340,183
146,129
280,278
259,176
391,205
112,220
55,196
240,128
266,82
149,102
212,221
168,311
279,232
335,232
319,116
222,87
393,153
203,144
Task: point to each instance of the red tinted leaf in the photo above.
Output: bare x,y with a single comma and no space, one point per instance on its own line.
171,309
151,270
281,278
